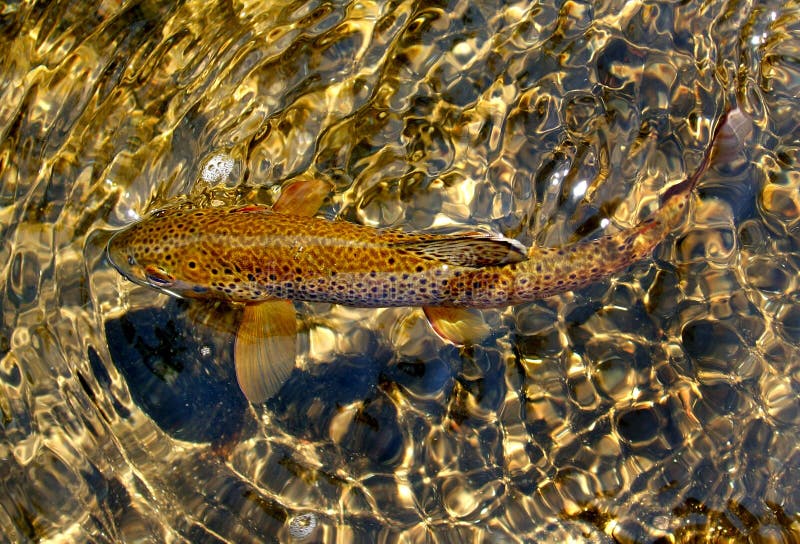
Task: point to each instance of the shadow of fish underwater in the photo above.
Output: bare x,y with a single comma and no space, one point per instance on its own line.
266,257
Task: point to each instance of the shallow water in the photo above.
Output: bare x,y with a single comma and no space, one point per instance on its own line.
658,406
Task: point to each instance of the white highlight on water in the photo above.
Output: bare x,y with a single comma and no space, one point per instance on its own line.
303,525
217,168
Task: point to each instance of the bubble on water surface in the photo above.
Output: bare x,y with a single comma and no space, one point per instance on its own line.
302,526
217,168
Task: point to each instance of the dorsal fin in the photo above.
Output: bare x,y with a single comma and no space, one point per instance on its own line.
475,250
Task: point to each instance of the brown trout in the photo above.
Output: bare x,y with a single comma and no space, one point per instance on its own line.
262,257
252,254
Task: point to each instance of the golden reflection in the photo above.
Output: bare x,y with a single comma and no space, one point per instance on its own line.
657,406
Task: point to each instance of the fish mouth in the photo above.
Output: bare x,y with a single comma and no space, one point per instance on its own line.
115,252
120,258
119,255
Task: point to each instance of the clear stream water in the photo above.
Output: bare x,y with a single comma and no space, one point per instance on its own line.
658,406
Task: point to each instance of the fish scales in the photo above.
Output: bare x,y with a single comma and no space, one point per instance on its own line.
253,254
250,254
266,257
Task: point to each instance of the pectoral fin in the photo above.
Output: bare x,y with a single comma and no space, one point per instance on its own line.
459,326
472,249
302,196
214,314
265,349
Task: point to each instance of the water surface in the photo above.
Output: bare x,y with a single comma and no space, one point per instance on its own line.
658,406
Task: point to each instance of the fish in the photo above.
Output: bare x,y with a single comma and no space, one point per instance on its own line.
265,257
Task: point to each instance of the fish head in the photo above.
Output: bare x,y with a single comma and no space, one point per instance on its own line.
151,253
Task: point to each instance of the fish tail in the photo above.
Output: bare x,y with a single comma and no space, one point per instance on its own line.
732,129
551,271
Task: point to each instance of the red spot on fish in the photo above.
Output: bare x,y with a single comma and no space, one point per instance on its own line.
251,208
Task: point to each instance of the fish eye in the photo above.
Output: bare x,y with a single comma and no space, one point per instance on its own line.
158,276
131,260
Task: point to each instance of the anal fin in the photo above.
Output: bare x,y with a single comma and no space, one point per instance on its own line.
459,326
265,350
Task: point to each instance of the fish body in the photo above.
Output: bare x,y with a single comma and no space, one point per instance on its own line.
253,254
266,257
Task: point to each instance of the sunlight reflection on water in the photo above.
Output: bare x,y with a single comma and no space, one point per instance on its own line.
661,404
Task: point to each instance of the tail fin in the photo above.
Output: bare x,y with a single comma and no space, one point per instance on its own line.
551,271
732,130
